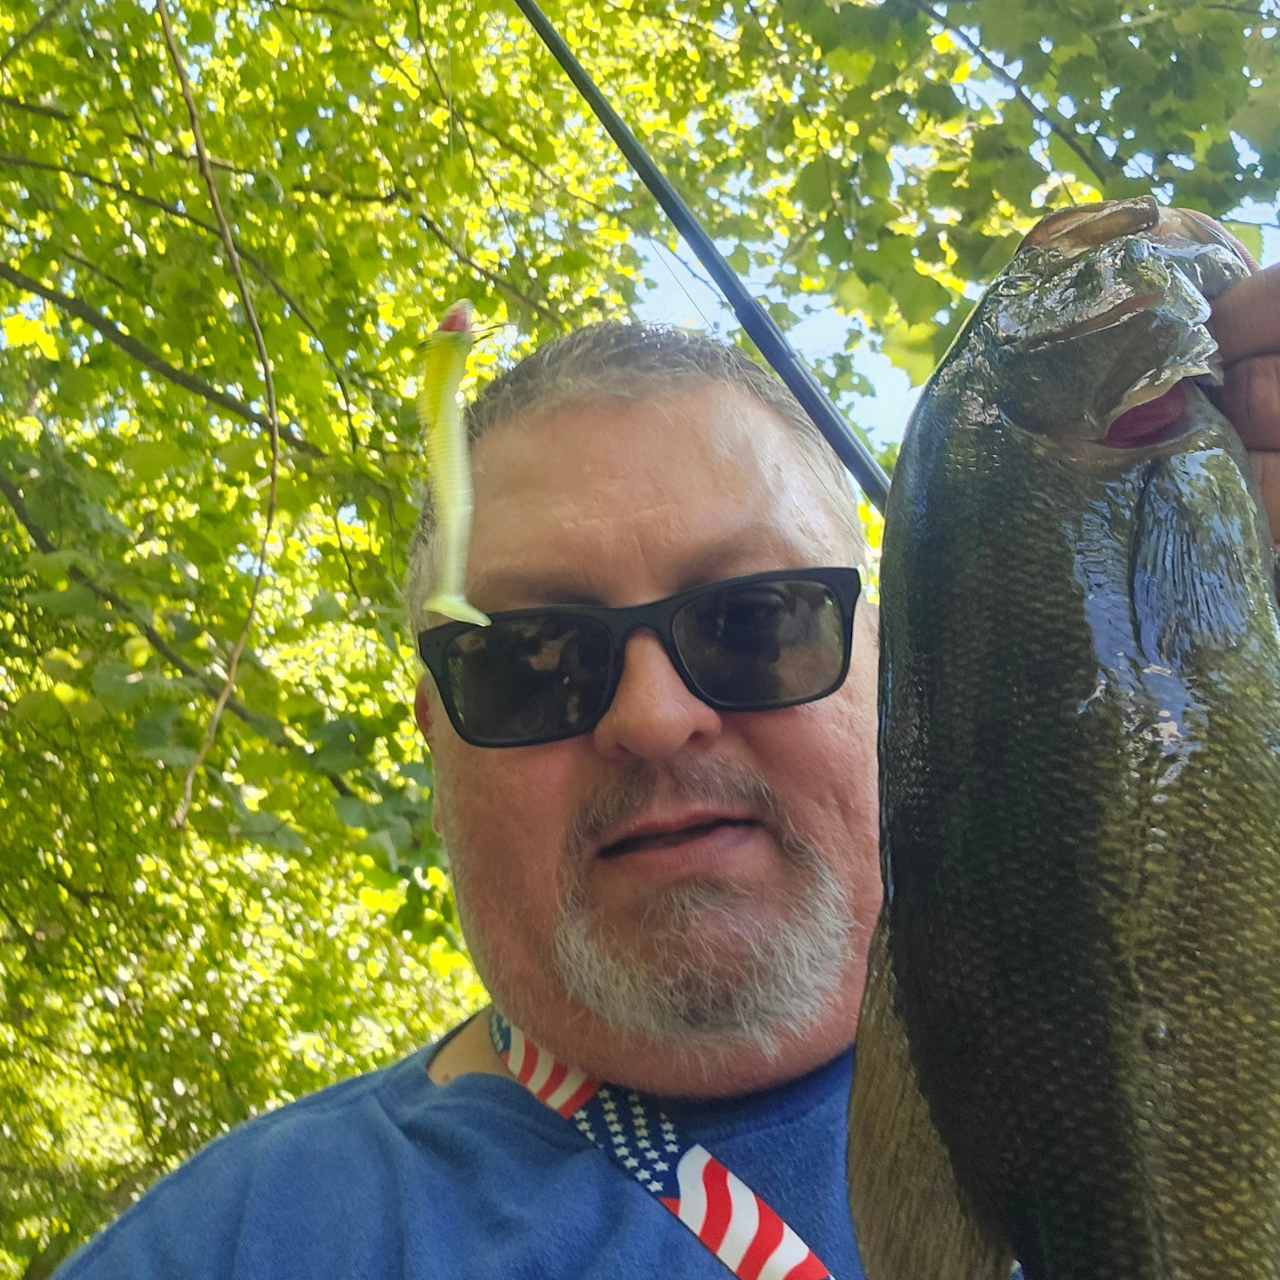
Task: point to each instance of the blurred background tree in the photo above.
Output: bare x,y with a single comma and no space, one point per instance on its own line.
195,927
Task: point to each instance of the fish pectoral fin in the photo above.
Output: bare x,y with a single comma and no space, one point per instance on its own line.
1195,582
910,1216
457,608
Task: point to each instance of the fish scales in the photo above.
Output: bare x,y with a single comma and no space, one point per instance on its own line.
1080,761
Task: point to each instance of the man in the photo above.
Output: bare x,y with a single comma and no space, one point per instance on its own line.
662,890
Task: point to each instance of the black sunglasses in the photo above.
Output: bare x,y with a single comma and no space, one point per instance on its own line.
758,643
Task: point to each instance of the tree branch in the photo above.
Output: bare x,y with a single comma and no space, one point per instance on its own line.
320,10
1099,165
50,15
35,108
498,282
505,142
251,258
1165,15
393,194
63,251
148,358
273,418
471,151
270,728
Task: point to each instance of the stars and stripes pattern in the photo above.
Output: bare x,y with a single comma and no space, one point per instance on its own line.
720,1209
549,1080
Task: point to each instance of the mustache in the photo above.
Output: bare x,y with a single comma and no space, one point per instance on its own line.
713,783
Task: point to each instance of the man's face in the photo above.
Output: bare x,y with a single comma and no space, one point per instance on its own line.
761,826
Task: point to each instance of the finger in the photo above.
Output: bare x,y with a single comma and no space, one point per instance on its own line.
1266,466
1246,318
1250,397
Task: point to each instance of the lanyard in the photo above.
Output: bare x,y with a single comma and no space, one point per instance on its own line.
685,1178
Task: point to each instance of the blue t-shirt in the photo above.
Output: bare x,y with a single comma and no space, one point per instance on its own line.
391,1176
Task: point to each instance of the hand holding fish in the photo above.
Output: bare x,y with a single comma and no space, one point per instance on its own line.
1246,323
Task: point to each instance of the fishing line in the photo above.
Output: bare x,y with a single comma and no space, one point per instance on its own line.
751,315
663,253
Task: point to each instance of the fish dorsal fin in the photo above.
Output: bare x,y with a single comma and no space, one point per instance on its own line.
911,1218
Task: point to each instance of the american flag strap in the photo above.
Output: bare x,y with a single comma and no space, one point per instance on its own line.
720,1209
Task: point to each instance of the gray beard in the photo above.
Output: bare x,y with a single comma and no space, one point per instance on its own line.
712,979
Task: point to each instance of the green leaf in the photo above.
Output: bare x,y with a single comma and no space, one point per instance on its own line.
119,686
352,812
418,771
411,913
271,831
200,26
377,876
851,64
61,665
813,185
1250,235
75,601
39,707
910,347
241,455
919,298
53,566
155,458
382,848
326,607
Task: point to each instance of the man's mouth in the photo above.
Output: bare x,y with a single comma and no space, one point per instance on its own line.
665,839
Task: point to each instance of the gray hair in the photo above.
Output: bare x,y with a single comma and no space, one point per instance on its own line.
629,361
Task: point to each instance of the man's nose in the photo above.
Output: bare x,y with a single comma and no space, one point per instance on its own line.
653,713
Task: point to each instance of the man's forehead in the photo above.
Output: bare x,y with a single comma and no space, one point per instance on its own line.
545,574
680,486
656,447
710,408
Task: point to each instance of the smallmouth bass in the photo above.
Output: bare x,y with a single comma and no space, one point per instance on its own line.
1070,1044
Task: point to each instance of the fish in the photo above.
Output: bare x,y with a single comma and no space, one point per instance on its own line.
1069,1046
444,361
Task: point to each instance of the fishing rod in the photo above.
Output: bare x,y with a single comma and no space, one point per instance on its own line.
751,315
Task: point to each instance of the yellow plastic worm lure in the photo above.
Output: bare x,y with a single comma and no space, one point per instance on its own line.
440,414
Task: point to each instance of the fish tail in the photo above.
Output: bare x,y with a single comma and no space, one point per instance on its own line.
457,608
911,1218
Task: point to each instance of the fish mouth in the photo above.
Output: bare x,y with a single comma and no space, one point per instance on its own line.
1091,339
1154,422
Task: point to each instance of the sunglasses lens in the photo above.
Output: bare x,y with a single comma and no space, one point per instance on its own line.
763,644
529,679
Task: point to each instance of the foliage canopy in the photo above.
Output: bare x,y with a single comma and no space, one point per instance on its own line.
374,161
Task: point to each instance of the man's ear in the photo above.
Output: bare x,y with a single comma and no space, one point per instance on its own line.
422,707
422,714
